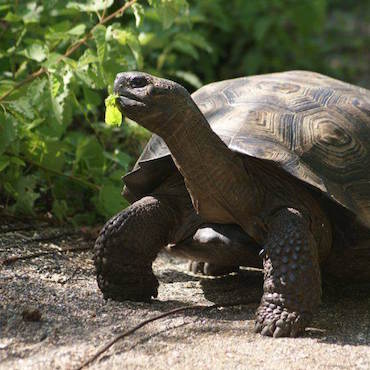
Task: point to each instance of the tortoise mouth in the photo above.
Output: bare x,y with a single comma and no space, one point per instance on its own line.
126,100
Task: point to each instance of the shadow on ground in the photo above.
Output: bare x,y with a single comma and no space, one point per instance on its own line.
76,320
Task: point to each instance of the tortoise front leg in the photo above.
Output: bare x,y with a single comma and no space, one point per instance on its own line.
126,247
292,285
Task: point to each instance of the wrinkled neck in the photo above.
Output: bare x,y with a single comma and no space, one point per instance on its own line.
220,187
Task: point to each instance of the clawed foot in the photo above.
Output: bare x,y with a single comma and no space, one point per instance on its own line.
138,286
277,321
120,281
210,269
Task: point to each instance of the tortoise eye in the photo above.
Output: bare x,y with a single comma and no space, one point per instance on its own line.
138,81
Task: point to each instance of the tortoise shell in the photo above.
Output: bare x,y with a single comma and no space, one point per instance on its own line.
314,127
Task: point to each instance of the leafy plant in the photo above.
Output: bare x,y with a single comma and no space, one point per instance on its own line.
56,153
58,60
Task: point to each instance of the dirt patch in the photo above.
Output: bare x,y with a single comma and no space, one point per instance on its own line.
75,320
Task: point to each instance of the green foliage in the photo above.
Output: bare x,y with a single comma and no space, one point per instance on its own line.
58,61
253,37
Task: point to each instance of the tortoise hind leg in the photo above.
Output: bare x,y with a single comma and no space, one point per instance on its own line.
292,284
218,249
126,247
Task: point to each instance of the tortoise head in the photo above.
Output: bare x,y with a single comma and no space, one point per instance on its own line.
151,101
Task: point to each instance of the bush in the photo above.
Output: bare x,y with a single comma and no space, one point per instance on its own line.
58,60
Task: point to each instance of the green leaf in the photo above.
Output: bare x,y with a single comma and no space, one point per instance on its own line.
185,48
113,116
22,109
36,52
127,37
121,158
87,58
190,78
53,155
91,5
196,40
77,30
60,209
261,27
25,194
90,153
169,10
4,162
17,161
138,10
91,76
110,200
12,18
31,13
52,60
59,83
7,131
92,99
37,92
101,45
5,7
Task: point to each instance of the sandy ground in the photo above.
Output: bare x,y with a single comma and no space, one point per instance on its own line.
76,321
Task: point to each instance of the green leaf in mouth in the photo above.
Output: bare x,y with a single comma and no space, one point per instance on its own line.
113,116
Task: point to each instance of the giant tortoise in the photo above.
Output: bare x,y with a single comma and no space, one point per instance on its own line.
271,169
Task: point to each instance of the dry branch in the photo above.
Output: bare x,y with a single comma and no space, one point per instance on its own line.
12,259
155,318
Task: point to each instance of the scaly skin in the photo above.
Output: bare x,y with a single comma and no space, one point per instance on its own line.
225,188
127,246
292,285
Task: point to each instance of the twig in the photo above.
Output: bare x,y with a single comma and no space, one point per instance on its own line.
30,78
52,237
12,259
30,239
70,50
70,278
17,228
43,218
155,318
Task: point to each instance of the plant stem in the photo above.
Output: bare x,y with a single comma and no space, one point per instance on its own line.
70,50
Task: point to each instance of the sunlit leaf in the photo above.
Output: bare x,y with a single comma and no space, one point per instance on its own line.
32,12
35,52
59,83
91,5
78,30
113,116
138,10
190,78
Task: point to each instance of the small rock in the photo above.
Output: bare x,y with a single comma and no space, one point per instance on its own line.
31,314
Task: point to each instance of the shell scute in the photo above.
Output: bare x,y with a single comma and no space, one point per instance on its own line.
314,127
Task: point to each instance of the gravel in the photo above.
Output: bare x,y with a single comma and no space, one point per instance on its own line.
53,316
